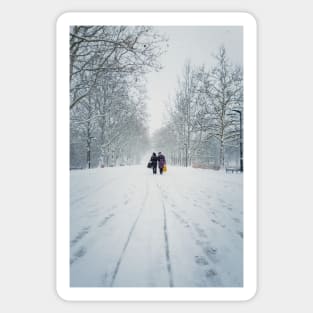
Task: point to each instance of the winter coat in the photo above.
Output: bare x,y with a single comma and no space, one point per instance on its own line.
154,160
162,161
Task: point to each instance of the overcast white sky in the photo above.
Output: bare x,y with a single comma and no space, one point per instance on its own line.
196,43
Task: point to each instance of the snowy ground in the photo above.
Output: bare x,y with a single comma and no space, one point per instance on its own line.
132,229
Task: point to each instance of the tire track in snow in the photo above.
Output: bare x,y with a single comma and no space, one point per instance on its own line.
82,233
129,237
167,249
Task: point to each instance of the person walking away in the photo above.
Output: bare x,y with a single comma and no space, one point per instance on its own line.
162,162
154,161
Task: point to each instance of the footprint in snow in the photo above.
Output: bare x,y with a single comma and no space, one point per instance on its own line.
210,273
237,220
222,202
201,260
200,231
211,253
240,233
211,250
208,250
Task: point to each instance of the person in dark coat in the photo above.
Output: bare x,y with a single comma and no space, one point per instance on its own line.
154,161
162,162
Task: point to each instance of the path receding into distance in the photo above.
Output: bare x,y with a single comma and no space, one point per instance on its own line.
129,228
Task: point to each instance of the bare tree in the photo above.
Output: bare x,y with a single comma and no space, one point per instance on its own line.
98,50
224,91
202,120
107,74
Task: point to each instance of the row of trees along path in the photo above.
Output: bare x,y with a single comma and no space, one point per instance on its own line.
108,102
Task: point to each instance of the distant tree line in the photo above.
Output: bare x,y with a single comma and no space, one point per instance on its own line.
203,129
107,92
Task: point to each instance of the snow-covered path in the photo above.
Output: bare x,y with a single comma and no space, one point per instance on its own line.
130,228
